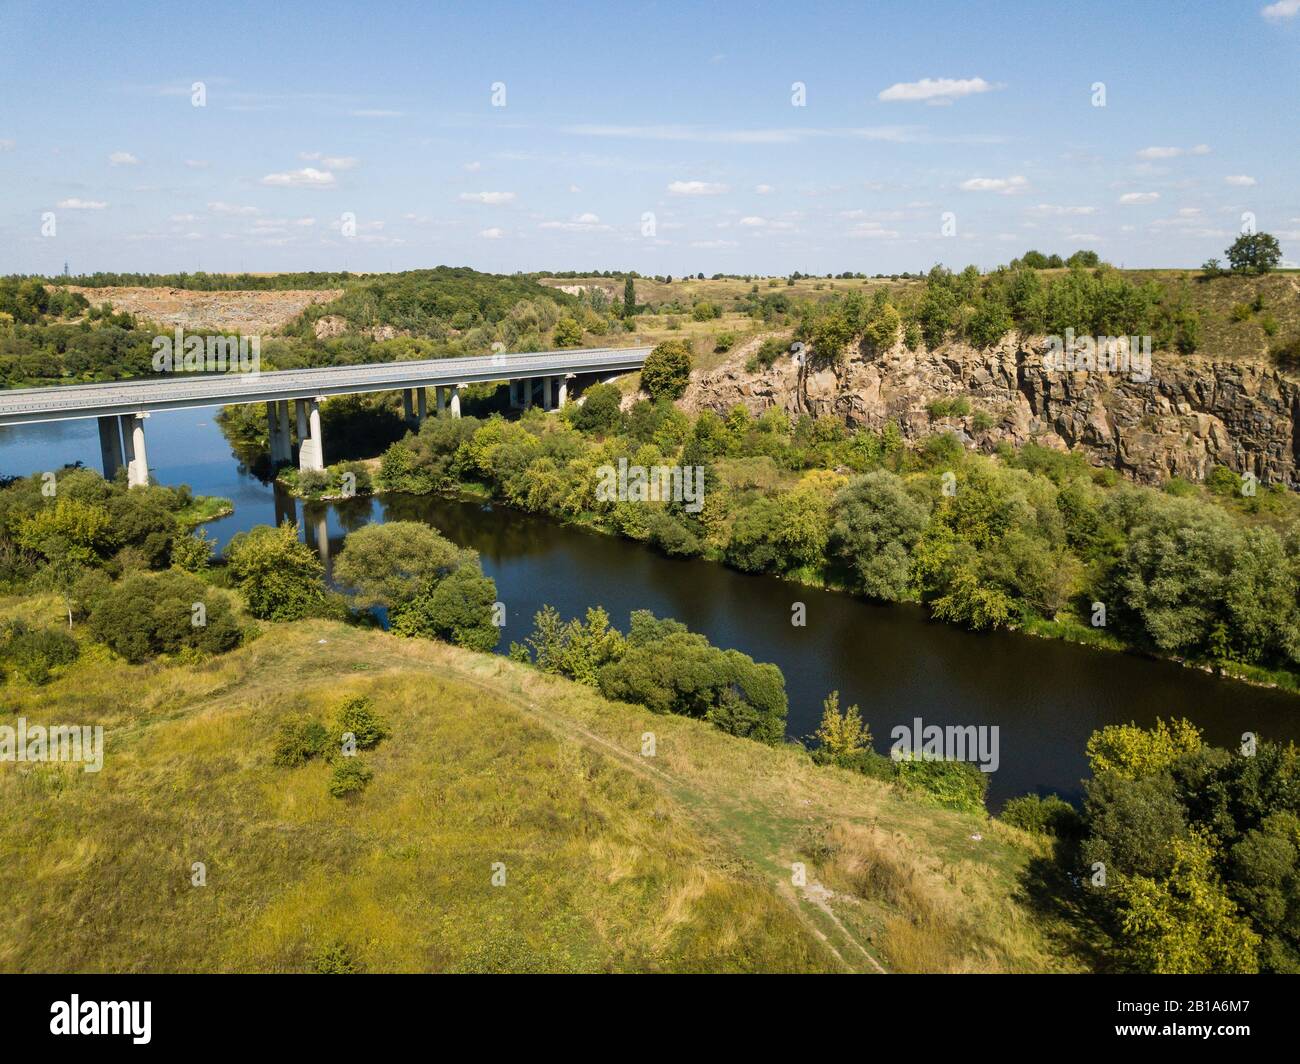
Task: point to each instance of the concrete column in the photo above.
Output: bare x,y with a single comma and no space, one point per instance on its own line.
546,392
276,432
514,395
528,392
137,460
564,391
455,400
286,440
407,412
421,404
439,399
110,445
311,454
303,432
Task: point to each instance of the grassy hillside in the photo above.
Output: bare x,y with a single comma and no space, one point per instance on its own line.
614,861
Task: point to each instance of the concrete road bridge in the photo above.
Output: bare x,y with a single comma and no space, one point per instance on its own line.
122,407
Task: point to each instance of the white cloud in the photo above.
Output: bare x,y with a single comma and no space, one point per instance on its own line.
1282,9
474,167
217,207
184,218
753,221
1173,153
583,223
1239,180
574,188
696,188
1130,198
373,112
492,234
331,162
764,190
1056,209
1189,212
713,245
304,221
1007,186
76,204
197,164
6,145
490,198
122,158
935,90
873,231
307,177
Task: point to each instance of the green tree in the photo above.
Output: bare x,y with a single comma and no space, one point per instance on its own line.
458,608
875,523
1256,253
1185,924
568,333
842,735
390,564
280,577
629,297
667,370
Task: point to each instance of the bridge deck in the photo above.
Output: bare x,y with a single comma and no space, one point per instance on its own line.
65,402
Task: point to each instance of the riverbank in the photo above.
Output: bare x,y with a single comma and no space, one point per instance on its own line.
608,859
1066,629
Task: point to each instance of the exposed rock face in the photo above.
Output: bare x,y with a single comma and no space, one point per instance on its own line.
1192,414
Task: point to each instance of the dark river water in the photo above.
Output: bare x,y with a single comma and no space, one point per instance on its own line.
1044,697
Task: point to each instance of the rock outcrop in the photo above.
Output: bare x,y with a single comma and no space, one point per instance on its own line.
1194,412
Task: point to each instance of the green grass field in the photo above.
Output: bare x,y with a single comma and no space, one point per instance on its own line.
614,861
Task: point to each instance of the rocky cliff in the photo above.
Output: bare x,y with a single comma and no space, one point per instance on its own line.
1194,412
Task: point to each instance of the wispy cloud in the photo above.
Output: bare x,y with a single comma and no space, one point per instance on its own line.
491,198
331,162
1131,198
1240,180
1282,9
697,188
307,177
220,207
1172,153
122,158
935,90
75,204
1007,186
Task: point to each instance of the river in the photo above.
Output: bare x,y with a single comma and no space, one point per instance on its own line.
1045,697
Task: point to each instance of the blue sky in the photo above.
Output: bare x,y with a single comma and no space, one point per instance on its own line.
660,137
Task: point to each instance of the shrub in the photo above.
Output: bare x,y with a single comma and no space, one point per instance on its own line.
458,609
601,409
298,740
725,342
954,784
192,552
153,613
33,652
667,370
1042,816
349,777
335,959
358,717
278,575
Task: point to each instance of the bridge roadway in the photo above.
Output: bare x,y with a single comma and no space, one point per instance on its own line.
121,407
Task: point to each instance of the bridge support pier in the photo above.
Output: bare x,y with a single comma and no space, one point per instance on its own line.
455,400
277,431
564,390
110,445
311,451
408,414
547,383
137,460
301,407
439,400
421,405
527,385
